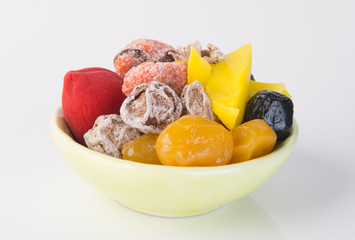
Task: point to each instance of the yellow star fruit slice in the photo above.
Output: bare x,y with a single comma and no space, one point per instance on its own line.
198,68
228,86
255,87
229,113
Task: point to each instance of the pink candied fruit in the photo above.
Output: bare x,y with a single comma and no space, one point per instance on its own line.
124,63
154,49
172,74
139,51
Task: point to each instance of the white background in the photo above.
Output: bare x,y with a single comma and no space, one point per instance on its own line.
309,45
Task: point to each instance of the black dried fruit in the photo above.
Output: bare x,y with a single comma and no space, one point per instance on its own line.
252,77
274,108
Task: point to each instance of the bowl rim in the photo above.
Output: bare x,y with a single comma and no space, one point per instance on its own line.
58,132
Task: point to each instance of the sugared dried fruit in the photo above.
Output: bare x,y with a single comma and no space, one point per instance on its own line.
109,135
127,59
194,141
274,108
251,140
196,102
151,107
139,51
212,54
142,149
172,74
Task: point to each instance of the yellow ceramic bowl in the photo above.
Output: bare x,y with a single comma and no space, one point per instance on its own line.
166,190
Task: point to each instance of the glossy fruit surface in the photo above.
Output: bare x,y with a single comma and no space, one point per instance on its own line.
251,140
194,141
255,87
228,87
142,149
274,108
198,68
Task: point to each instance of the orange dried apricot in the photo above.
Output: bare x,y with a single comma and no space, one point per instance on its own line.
142,149
194,141
252,139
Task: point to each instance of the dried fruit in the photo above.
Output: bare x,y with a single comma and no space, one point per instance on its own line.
251,140
274,108
196,102
127,59
142,149
87,94
212,54
198,68
172,74
194,141
255,87
151,107
109,135
139,51
228,87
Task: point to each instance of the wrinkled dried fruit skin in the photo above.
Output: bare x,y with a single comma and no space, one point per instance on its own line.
212,54
252,139
194,141
109,134
274,108
196,102
87,94
151,107
142,149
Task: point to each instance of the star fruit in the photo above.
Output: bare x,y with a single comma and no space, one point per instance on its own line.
255,87
198,68
228,84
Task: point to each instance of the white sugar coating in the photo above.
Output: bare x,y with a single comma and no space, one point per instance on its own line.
170,73
155,50
196,102
215,55
212,54
151,107
109,135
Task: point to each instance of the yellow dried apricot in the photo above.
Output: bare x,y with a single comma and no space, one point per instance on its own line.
252,139
142,149
194,141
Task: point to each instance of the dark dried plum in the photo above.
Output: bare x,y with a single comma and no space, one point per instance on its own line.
274,108
252,77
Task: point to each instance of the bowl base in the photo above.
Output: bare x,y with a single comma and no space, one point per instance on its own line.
168,213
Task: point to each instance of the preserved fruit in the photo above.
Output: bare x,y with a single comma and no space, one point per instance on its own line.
274,108
194,141
251,140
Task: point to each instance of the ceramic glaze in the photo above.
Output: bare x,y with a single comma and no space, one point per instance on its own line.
168,190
